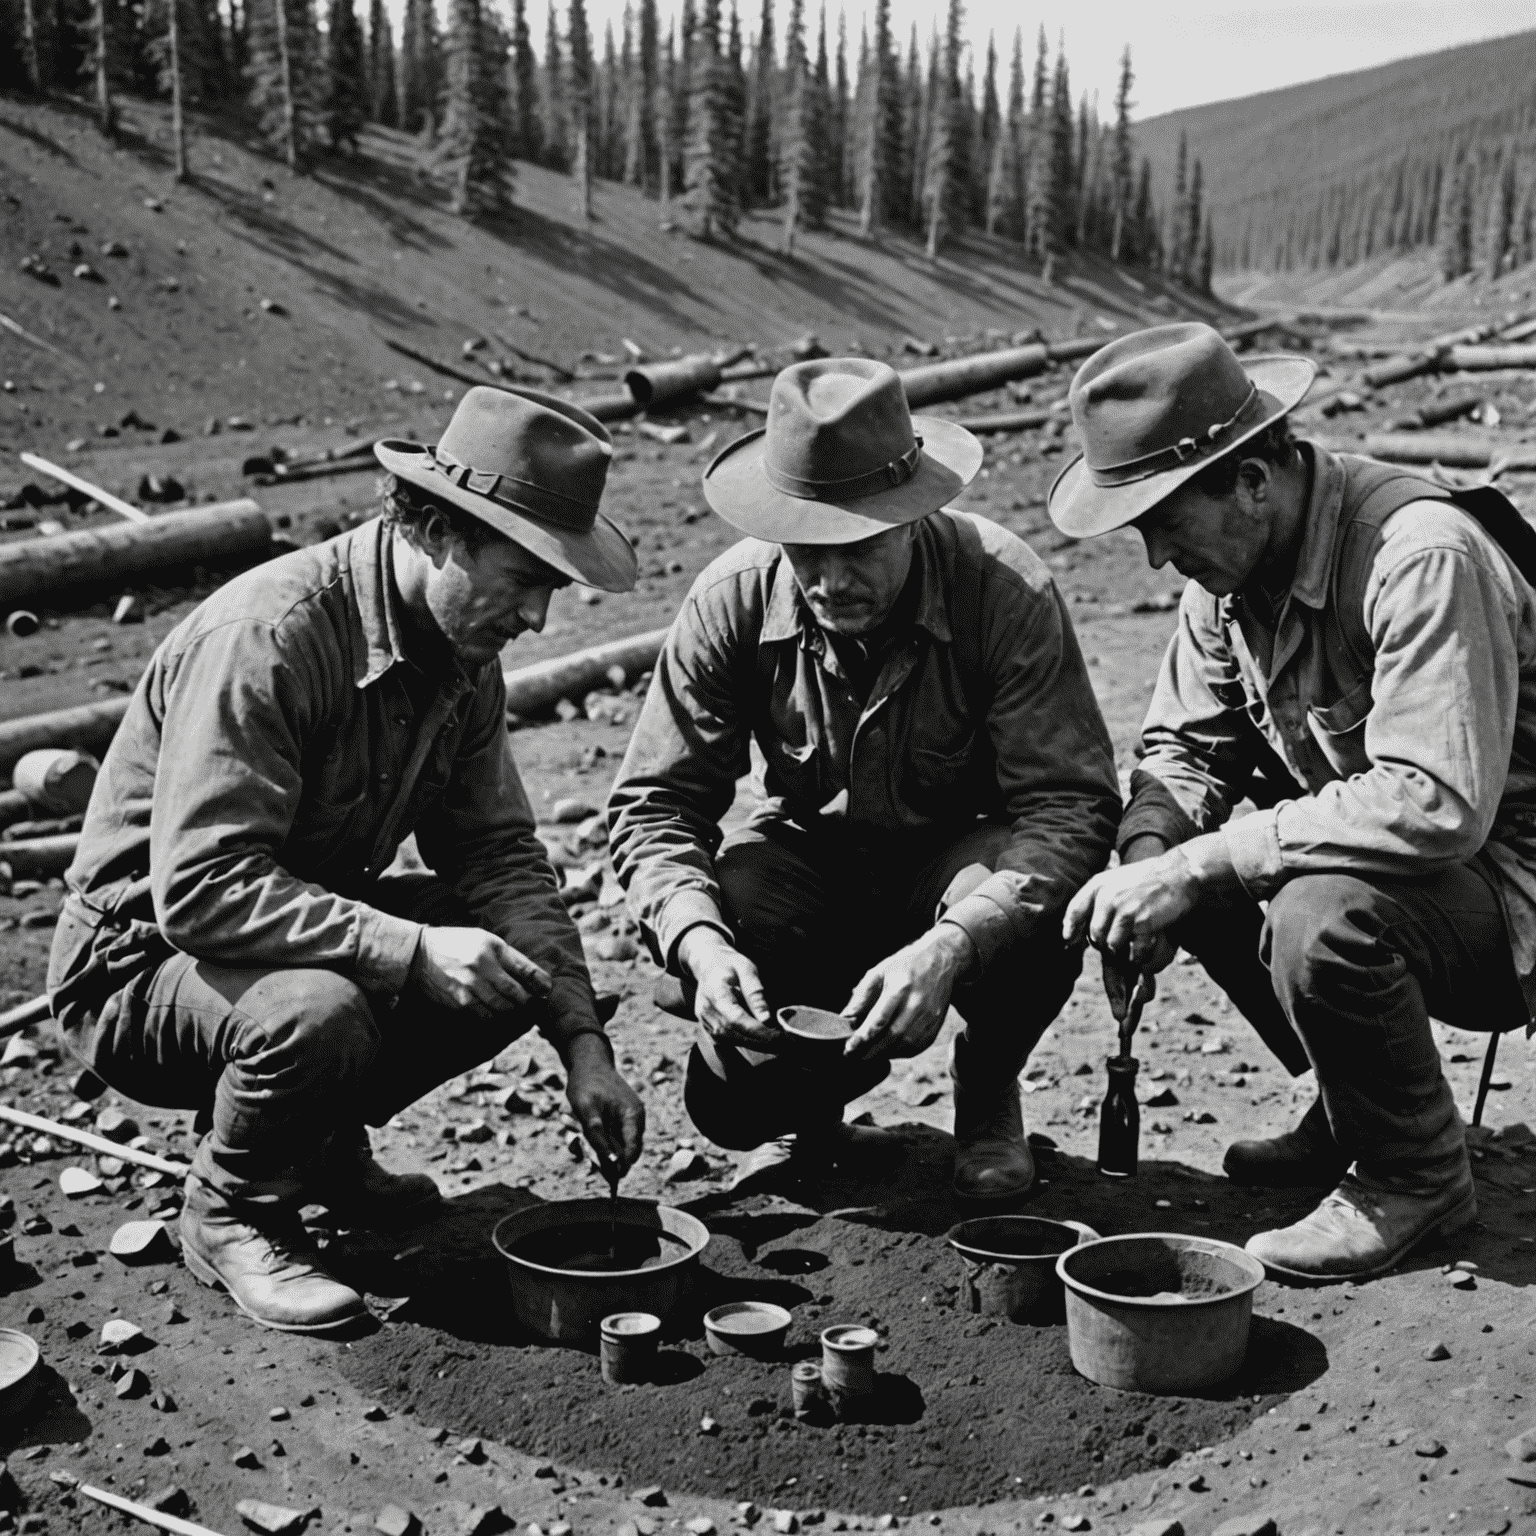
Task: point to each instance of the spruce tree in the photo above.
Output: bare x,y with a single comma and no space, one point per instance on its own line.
1192,224
839,111
881,130
284,69
1501,215
31,45
471,147
828,150
383,103
801,145
580,108
944,185
913,106
666,89
556,114
421,68
1123,167
1177,241
736,105
1006,187
1205,260
760,112
988,137
1038,169
527,135
1061,170
608,91
346,88
712,178
101,50
173,63
682,83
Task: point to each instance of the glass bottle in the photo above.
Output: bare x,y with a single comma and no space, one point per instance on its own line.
1119,1120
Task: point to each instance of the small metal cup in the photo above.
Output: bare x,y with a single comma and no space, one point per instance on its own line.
848,1360
627,1346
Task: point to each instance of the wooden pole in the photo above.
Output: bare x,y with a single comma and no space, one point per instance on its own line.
29,49
178,130
545,683
24,1016
285,65
33,570
45,1127
75,482
143,1512
40,858
103,88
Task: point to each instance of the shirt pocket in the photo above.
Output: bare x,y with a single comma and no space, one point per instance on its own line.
1339,729
328,832
936,778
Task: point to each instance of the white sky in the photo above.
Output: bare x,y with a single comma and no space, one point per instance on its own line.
1184,54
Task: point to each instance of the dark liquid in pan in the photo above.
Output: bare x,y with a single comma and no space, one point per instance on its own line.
589,1247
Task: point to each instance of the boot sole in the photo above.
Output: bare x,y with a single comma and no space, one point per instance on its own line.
1295,1178
205,1274
1457,1220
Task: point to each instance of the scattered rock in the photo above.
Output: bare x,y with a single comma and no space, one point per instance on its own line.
615,947
159,1446
711,1426
86,273
1428,1446
120,1337
76,1182
163,1402
686,1164
472,1450
132,1383
475,1131
1248,1525
1436,1351
143,1242
272,307
172,1501
1082,1522
1523,1446
652,1497
246,1457
785,1522
19,1052
274,1519
488,1520
700,1525
392,1520
1157,1528
375,1413
567,812
171,1313
278,1414
113,1123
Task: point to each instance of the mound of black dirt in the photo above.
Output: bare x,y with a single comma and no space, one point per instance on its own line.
972,1409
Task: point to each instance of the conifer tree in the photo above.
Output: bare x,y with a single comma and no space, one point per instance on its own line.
827,150
556,118
760,112
1501,215
1192,224
173,64
945,180
881,130
580,108
905,181
1039,164
1123,167
607,95
1205,260
987,138
421,68
666,115
801,144
1006,189
101,49
682,81
527,122
840,113
346,89
383,105
31,45
640,129
472,143
1145,218
736,104
712,178
1177,241
1061,171
283,68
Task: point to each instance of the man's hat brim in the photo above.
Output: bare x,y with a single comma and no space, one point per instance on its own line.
737,487
1081,509
601,557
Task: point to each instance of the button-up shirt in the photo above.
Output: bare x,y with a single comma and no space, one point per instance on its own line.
1420,755
278,749
982,708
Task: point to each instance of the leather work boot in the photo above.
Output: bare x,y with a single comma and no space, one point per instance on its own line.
861,1150
358,1192
1359,1231
1295,1159
272,1273
992,1156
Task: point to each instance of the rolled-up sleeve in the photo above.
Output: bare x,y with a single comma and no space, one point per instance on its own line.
238,704
1196,751
678,779
1443,620
1055,771
480,838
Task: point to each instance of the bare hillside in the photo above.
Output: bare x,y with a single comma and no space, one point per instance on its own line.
363,249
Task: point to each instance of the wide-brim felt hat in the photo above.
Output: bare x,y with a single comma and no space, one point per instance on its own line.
1155,408
533,467
841,458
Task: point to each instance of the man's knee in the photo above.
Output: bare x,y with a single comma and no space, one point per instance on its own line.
313,1024
1314,929
759,896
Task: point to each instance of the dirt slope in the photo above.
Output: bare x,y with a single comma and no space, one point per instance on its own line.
365,249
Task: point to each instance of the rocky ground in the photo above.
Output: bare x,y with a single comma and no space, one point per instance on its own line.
1385,1407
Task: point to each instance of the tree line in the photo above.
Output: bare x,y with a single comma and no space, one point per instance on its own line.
916,135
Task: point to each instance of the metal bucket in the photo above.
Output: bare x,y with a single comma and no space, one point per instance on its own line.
1008,1264
1158,1311
565,1305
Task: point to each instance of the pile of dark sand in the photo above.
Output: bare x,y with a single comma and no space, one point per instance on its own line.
972,1409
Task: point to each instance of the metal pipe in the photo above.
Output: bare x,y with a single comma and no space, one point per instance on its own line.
1484,359
545,683
654,384
962,376
90,727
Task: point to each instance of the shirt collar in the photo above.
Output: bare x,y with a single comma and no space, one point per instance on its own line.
788,618
370,559
1314,565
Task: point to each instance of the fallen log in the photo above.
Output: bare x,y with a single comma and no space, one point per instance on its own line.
654,384
36,569
1395,370
286,476
1474,359
1435,413
610,407
112,503
962,376
720,402
1076,350
1004,421
88,727
40,858
447,370
1450,449
530,690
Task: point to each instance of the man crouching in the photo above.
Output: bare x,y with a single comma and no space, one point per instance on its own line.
936,781
231,943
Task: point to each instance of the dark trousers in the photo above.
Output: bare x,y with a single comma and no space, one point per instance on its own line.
283,1060
813,913
1343,973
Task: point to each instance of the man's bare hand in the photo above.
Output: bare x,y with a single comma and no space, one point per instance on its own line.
472,969
900,1004
609,1110
730,1003
1127,912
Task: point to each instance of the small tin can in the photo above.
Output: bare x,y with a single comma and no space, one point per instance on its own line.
627,1342
848,1360
810,1392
